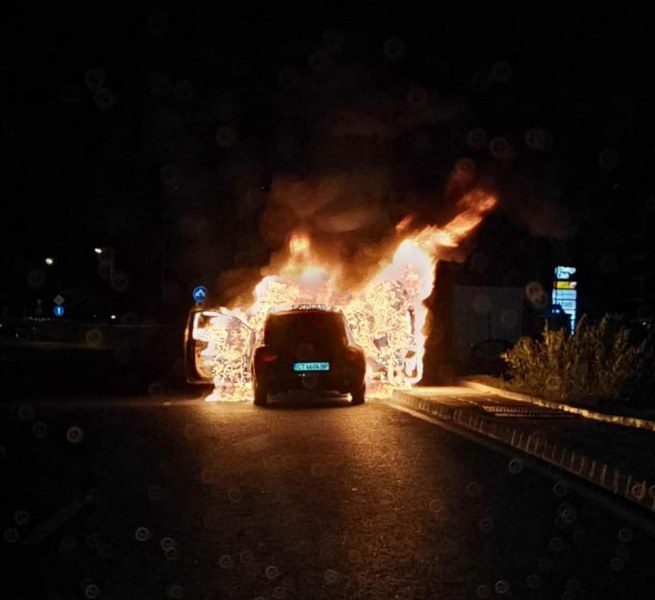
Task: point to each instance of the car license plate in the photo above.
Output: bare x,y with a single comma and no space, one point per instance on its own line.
303,367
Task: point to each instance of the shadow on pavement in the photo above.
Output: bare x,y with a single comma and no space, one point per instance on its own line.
71,373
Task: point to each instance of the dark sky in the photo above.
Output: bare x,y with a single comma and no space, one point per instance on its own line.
158,126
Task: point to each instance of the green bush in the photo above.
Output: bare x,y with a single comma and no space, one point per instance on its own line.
591,366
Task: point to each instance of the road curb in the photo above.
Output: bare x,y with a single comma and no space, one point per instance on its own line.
621,420
583,466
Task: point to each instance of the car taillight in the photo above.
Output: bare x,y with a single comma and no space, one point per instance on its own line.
268,356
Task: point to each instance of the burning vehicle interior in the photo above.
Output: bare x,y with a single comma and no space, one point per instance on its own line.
386,314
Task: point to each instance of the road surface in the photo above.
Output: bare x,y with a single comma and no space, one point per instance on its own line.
141,498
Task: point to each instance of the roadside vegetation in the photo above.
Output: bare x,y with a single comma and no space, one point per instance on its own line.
602,363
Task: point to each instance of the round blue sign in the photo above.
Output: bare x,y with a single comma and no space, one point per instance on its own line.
200,293
59,311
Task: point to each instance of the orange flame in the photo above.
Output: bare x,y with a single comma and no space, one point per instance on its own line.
387,316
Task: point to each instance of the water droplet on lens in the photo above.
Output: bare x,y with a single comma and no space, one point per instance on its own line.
235,495
501,71
75,434
167,543
104,98
559,489
477,138
318,470
25,412
157,23
95,78
22,517
608,159
156,390
486,525
556,544
394,48
40,429
11,535
69,93
331,576
154,493
473,489
226,561
333,40
226,136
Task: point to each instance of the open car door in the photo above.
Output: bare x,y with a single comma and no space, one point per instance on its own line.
195,342
217,347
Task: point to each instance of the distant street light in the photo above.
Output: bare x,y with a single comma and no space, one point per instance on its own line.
105,256
51,262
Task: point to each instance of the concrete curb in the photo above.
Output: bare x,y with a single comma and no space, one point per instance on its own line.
624,421
588,468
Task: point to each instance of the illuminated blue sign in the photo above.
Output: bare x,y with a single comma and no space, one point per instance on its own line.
564,273
566,294
200,293
59,311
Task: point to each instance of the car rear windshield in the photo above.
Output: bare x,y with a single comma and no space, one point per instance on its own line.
289,327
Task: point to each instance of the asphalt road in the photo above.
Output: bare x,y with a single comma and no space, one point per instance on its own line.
132,499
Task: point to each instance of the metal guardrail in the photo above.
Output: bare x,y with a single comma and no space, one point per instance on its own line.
593,470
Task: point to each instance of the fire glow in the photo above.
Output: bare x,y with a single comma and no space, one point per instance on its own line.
386,314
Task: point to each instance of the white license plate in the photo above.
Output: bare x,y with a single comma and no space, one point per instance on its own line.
303,367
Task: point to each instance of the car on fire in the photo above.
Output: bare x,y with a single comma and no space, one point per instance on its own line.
310,349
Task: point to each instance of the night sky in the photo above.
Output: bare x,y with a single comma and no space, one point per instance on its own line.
160,131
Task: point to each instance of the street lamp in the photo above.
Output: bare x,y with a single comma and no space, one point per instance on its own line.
51,262
105,256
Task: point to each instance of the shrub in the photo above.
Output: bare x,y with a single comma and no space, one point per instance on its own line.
593,365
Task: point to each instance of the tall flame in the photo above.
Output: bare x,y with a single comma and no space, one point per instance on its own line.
387,316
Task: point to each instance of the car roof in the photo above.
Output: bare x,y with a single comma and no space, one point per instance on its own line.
305,309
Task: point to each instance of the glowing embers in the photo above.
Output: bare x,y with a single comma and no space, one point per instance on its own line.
225,352
386,313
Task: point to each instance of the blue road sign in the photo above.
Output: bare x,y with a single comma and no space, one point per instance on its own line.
59,311
200,293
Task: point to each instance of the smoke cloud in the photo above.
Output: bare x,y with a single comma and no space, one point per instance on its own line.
358,149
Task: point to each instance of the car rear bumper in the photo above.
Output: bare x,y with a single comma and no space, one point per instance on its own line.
338,380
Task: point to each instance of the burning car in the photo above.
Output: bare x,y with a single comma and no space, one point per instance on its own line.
308,348
383,314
